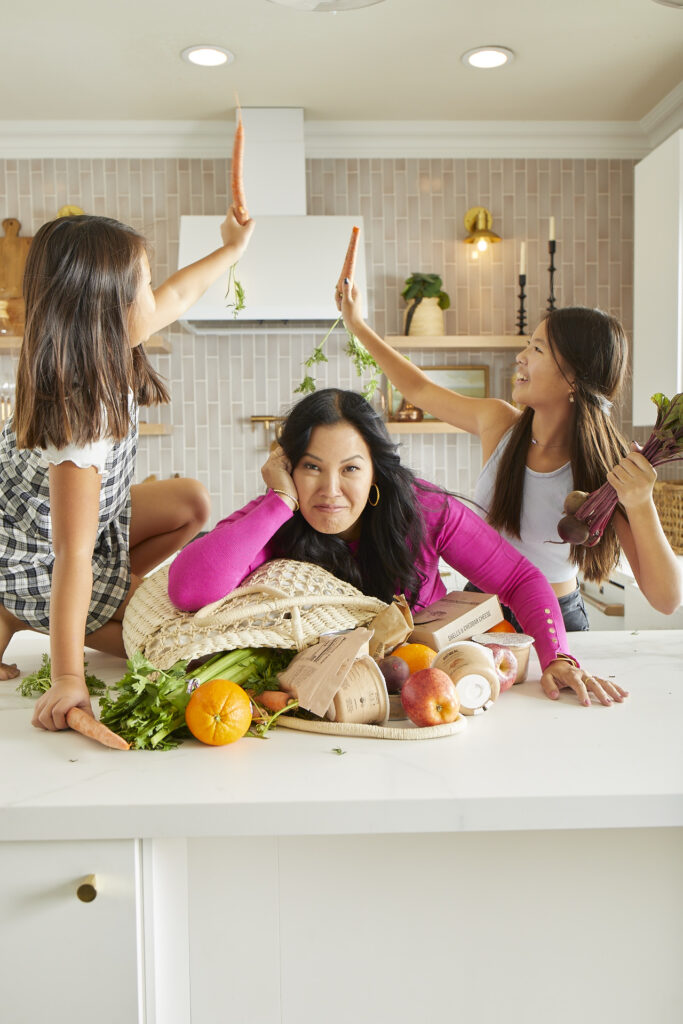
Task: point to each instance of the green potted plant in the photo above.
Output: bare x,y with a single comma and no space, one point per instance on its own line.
425,297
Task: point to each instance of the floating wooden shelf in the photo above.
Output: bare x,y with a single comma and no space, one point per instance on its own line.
469,341
157,344
11,343
422,427
155,429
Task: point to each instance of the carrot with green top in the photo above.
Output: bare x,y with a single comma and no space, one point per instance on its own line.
350,261
81,721
239,202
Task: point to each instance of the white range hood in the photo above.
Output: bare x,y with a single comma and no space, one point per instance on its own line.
293,261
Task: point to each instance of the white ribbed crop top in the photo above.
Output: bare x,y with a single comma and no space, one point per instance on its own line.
542,509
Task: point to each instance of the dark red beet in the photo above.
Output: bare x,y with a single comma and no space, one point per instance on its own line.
572,530
395,671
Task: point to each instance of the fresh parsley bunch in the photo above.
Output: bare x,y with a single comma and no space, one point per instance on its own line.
39,682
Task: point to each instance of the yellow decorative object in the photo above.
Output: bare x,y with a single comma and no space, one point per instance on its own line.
478,221
70,211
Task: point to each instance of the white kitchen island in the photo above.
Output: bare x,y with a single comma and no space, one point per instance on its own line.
527,869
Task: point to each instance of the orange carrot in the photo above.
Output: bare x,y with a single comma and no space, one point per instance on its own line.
273,700
81,721
239,202
350,261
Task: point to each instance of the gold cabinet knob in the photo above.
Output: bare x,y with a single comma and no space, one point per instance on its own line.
87,889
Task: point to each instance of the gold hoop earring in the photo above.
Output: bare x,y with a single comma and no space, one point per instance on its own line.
374,503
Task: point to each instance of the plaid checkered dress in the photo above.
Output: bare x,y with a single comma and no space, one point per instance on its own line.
26,554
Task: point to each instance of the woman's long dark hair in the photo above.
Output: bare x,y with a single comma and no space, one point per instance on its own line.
593,345
391,533
76,365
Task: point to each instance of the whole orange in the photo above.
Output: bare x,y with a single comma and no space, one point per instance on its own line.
218,712
502,627
416,656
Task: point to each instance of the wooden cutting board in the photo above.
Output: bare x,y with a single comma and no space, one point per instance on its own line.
13,252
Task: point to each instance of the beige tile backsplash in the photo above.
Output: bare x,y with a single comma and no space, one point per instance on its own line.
413,211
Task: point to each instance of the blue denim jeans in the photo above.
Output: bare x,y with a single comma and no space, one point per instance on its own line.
571,605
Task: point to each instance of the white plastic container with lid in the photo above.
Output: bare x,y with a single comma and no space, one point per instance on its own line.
519,643
472,669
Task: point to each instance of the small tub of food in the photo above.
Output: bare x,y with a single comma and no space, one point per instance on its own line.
472,669
362,697
519,643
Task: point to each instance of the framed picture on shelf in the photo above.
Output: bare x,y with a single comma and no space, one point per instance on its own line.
472,381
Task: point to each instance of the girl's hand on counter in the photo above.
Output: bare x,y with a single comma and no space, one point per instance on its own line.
561,674
66,692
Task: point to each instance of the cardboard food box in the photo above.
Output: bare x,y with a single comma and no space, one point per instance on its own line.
457,616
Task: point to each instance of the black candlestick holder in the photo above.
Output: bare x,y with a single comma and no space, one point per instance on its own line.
521,316
551,271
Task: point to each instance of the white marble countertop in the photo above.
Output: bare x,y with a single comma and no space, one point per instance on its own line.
527,763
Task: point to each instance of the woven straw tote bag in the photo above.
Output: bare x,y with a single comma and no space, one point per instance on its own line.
283,603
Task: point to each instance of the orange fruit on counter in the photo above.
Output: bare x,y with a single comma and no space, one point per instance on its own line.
218,712
416,656
502,627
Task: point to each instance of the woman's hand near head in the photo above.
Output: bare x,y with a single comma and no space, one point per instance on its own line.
277,475
562,674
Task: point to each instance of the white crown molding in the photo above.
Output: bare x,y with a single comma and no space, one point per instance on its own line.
665,118
352,139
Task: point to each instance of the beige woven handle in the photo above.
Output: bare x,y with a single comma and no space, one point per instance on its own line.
209,610
260,608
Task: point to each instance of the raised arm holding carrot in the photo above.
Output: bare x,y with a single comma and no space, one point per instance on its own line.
75,533
568,375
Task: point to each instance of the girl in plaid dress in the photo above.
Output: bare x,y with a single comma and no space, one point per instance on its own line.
76,535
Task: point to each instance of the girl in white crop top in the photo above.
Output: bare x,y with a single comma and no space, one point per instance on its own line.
568,375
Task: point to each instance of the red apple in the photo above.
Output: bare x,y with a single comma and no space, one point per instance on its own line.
429,697
506,665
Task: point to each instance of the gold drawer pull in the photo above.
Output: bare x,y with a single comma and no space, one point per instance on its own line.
87,890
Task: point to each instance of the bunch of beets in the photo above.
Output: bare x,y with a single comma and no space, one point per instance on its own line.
587,515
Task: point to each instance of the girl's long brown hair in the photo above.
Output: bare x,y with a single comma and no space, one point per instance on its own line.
593,345
76,366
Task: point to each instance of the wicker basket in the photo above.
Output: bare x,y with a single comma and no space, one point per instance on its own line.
668,499
283,603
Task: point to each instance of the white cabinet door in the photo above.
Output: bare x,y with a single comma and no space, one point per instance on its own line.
62,959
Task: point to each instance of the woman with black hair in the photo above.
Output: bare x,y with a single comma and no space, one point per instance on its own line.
339,497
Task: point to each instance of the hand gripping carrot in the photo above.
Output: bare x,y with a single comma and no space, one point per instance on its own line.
239,202
350,261
81,721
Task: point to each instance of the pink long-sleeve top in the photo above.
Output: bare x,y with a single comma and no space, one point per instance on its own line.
214,565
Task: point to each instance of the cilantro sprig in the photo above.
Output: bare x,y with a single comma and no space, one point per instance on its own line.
357,353
36,683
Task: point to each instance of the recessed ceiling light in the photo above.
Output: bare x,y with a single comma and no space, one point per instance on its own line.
326,6
487,57
207,56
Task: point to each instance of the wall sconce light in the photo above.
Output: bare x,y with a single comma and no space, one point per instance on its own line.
478,221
